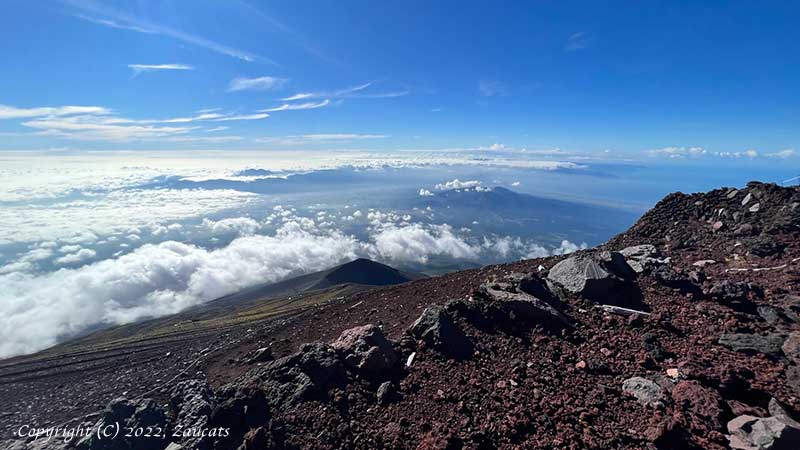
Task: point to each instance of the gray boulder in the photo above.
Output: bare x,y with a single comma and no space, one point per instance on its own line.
791,347
523,306
436,328
366,349
769,344
646,392
642,257
593,277
761,433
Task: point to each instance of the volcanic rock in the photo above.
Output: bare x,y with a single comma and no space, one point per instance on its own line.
754,433
436,328
135,414
366,349
192,403
769,344
646,392
596,277
642,257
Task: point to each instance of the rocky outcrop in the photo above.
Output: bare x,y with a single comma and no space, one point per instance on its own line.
366,349
776,432
436,328
122,413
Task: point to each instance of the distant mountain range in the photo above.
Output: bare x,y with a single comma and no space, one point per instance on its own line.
503,211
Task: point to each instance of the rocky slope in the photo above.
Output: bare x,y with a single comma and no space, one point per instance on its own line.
680,333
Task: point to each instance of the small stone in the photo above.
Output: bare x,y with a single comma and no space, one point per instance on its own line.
732,193
646,392
410,359
703,262
673,372
501,384
746,199
718,225
580,365
755,208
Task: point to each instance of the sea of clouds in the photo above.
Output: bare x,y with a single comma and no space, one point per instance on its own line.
84,245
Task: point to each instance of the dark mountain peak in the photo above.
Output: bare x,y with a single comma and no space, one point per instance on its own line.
366,271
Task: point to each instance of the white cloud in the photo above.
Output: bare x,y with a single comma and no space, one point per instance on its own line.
497,147
788,153
11,112
256,84
568,247
678,152
142,68
319,138
351,92
416,244
153,280
100,124
257,116
743,154
243,226
515,184
77,257
425,193
299,106
457,184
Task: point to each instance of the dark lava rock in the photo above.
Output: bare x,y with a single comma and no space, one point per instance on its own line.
366,349
667,276
523,306
192,402
653,347
136,414
436,328
306,375
769,344
385,393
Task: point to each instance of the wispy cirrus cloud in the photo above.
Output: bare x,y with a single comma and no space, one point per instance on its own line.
142,68
350,92
98,123
298,106
491,88
11,112
319,138
265,83
577,41
107,16
788,153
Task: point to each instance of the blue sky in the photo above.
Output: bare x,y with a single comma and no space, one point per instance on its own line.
630,77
